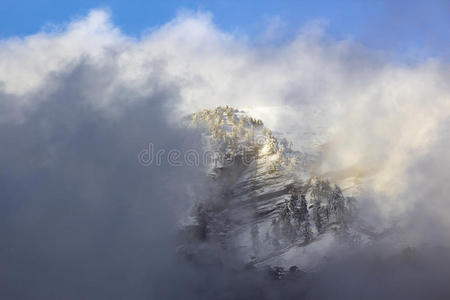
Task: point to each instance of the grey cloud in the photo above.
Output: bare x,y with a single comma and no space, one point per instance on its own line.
80,216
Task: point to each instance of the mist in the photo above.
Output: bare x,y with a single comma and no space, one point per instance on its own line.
80,217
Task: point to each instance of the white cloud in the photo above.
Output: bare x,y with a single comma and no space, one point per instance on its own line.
378,117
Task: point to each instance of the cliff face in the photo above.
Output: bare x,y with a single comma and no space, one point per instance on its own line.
265,208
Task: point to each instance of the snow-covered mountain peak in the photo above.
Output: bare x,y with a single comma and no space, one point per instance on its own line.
266,208
231,133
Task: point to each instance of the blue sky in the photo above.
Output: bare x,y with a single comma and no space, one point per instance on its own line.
409,27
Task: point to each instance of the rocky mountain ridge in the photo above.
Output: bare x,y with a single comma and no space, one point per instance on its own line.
266,209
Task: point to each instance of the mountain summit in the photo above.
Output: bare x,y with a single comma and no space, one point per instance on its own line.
265,208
